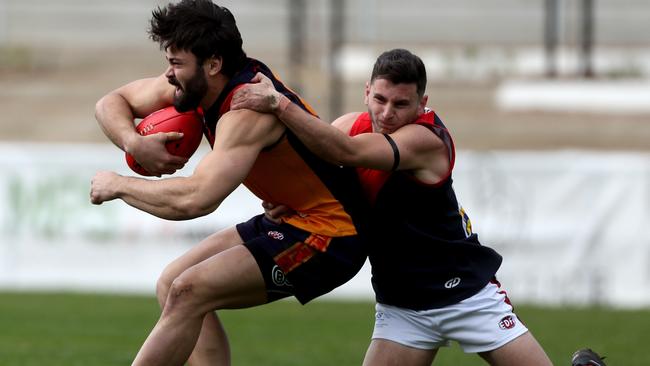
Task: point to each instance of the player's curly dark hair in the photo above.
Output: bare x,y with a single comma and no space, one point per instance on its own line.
200,27
400,66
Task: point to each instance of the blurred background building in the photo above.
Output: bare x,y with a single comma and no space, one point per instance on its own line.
548,101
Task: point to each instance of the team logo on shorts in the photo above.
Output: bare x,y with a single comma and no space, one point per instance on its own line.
381,320
507,322
275,235
453,282
278,277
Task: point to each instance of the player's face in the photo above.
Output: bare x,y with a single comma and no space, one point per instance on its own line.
188,77
391,106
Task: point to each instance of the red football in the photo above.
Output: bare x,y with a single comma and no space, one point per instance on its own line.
169,120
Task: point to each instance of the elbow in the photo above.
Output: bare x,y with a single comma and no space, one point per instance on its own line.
335,152
339,162
99,107
193,198
343,157
109,102
193,208
195,204
104,105
332,158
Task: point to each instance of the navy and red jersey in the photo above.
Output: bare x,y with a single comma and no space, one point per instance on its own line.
422,250
325,197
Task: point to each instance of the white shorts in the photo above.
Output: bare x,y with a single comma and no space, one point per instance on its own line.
481,323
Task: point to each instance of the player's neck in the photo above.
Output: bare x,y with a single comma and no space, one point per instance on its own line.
215,87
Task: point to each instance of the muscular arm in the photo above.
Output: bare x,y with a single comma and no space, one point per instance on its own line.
116,110
115,113
240,136
331,143
419,149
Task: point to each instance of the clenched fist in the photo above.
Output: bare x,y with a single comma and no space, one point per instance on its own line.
102,187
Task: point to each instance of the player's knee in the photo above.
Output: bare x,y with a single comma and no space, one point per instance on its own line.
179,297
162,289
183,295
164,283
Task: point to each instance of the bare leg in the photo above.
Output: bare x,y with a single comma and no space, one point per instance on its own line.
382,352
230,279
212,345
523,350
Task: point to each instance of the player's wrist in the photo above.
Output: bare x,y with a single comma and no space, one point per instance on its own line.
283,104
130,142
123,186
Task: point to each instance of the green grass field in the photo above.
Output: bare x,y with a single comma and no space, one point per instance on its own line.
76,329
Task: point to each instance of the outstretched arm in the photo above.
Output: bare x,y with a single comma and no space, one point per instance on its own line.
116,111
417,147
324,140
241,135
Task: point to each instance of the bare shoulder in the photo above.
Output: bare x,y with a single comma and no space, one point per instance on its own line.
250,127
423,152
345,122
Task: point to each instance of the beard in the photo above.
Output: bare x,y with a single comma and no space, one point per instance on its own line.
189,97
375,126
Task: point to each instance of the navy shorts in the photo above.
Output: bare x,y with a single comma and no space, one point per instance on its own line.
298,263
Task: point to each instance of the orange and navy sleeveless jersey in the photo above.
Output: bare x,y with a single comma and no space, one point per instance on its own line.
325,197
422,251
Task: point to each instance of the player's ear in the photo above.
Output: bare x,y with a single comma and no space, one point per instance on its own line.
366,93
214,65
423,103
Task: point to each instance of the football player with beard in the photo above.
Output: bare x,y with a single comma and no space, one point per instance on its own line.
306,255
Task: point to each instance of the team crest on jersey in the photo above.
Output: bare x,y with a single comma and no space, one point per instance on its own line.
275,235
507,322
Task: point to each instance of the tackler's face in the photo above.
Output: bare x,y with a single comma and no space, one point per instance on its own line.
392,106
188,77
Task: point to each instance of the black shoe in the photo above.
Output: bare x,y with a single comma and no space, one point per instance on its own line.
586,357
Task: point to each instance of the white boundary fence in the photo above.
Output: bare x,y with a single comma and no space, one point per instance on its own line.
571,225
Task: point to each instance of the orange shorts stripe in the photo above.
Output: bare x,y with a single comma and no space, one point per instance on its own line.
294,256
318,242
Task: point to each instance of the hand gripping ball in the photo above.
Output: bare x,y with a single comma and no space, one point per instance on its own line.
169,120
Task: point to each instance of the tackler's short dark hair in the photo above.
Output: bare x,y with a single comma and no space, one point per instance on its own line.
400,66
